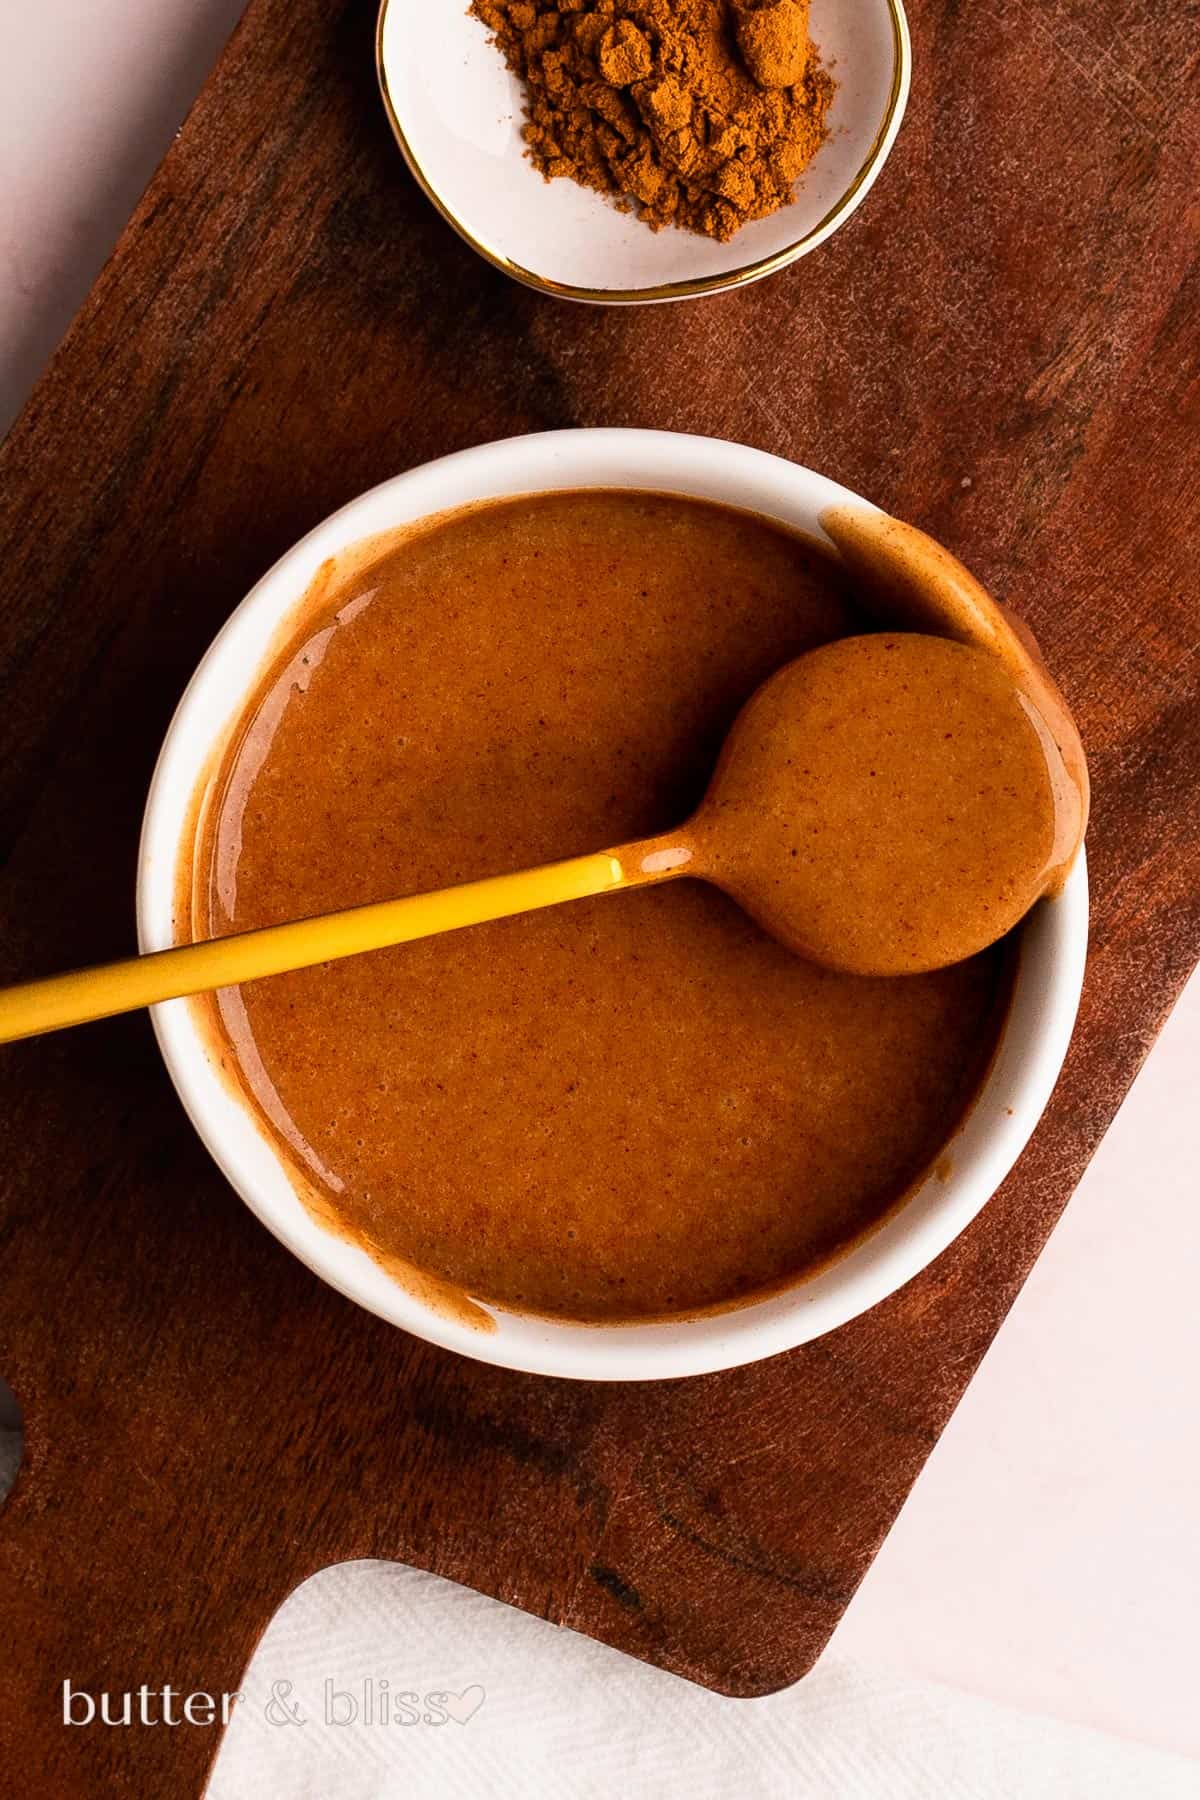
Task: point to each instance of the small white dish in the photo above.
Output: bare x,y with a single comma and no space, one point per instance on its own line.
456,111
1018,1084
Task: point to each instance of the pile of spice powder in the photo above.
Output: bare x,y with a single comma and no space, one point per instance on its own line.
695,113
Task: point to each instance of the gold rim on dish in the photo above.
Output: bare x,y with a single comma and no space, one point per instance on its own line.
700,284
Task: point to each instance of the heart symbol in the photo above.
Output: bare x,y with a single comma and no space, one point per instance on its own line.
464,1706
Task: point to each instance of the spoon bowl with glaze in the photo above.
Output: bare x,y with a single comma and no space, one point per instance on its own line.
885,805
905,582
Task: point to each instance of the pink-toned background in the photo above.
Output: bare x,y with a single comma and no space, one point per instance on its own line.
1049,1556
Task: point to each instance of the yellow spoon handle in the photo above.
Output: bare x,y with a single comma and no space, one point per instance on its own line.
39,1006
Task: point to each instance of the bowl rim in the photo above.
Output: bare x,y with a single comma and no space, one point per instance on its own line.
695,286
932,1215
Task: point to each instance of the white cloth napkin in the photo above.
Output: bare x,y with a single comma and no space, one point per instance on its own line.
503,1705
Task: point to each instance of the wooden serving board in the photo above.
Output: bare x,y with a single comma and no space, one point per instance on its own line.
1000,347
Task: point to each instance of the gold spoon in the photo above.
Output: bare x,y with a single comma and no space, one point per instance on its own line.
884,805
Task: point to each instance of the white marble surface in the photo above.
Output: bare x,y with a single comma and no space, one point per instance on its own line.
1048,1559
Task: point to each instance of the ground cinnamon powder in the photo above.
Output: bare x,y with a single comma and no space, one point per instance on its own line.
696,113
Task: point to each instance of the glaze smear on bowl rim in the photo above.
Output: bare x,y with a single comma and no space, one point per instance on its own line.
847,203
1023,1072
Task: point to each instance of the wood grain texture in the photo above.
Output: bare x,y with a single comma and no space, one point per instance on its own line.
1000,347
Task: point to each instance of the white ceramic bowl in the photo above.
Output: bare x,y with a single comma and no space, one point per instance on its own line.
1023,1073
457,115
